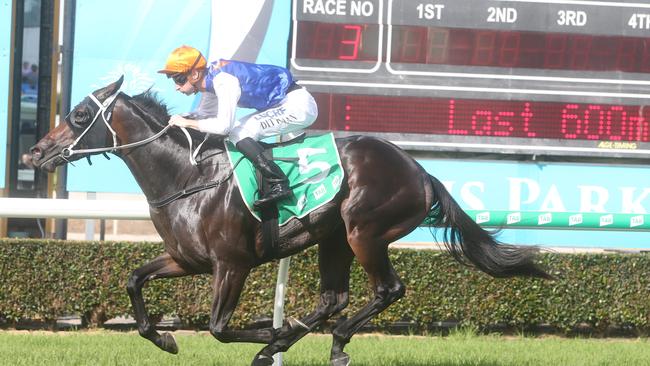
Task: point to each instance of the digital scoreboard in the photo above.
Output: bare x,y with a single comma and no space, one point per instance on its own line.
568,78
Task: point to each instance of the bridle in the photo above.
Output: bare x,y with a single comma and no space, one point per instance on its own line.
105,111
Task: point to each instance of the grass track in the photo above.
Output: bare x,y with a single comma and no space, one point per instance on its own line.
460,349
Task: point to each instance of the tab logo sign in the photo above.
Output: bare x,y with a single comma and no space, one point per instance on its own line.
606,220
636,221
575,219
482,217
544,218
513,218
302,202
320,192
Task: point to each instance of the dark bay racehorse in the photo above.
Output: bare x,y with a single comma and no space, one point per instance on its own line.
385,195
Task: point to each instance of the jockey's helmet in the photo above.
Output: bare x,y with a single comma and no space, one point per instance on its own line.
183,60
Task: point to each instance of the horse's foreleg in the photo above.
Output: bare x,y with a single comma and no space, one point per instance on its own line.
161,267
335,258
228,281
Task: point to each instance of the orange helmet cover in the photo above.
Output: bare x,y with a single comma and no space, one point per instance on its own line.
184,59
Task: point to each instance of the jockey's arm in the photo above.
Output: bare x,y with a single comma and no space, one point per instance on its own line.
207,106
228,91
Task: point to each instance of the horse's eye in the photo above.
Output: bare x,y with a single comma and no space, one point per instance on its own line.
81,116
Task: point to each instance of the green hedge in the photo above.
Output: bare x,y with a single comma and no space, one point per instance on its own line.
44,280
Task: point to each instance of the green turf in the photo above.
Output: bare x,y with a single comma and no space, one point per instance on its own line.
460,349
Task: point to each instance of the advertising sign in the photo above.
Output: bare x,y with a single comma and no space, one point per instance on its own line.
581,197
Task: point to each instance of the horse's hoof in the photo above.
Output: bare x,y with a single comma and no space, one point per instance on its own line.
262,360
341,359
168,343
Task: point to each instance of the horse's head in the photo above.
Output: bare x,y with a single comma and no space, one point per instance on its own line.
86,126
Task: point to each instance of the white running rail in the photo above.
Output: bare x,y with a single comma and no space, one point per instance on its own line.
73,209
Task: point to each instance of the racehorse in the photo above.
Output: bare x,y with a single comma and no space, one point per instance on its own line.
385,195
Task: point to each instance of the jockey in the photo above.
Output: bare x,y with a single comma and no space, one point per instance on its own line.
281,105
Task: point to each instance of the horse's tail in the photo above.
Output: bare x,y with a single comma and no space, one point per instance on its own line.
465,239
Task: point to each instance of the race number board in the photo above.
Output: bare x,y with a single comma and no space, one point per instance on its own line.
568,78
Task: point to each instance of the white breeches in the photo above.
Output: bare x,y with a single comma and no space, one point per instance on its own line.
297,111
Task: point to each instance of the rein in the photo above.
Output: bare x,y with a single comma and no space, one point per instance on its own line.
194,189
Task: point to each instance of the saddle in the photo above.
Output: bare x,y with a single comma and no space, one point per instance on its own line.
313,166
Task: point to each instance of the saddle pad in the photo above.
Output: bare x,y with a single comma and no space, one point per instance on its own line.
313,167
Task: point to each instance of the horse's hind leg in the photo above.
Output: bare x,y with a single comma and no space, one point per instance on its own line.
335,258
387,288
161,267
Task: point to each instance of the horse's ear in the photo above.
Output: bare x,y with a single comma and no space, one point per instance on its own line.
109,90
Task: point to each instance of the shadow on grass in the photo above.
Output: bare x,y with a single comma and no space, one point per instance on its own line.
410,363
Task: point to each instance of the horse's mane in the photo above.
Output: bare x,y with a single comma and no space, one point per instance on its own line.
151,102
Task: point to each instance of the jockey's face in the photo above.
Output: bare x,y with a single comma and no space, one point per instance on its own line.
183,84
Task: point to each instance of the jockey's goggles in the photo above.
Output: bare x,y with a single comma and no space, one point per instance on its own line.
179,79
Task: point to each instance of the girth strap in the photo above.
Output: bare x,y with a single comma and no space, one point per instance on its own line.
269,216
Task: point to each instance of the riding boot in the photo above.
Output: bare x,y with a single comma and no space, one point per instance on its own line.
279,183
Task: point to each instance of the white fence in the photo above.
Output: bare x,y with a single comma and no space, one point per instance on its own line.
73,209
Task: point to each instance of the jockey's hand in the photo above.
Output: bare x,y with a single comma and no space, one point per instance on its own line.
180,121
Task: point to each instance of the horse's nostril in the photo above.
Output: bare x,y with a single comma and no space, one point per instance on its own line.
36,153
